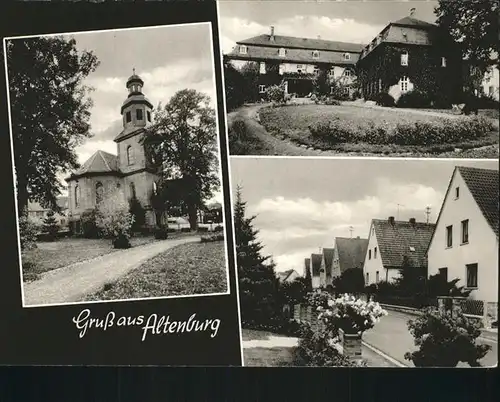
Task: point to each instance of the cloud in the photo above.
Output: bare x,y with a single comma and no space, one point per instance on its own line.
290,227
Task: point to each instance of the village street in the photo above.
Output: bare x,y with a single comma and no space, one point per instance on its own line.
391,336
72,283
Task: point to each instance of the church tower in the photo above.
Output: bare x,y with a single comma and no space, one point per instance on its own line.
137,114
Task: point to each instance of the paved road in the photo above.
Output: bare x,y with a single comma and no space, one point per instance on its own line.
392,337
72,283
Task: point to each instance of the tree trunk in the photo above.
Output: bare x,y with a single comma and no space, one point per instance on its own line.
22,197
193,217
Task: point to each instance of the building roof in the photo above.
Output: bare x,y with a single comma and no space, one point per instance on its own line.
413,22
483,185
302,43
401,239
328,258
351,252
100,162
316,263
283,276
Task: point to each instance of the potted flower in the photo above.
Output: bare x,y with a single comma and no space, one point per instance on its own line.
348,317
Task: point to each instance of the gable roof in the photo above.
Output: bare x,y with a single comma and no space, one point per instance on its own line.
328,258
483,185
351,252
99,162
302,43
283,276
413,22
403,239
316,264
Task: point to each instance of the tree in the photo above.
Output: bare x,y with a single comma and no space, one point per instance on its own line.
474,25
49,111
411,280
308,279
258,286
322,82
293,292
234,84
138,212
50,225
350,281
438,285
182,144
114,219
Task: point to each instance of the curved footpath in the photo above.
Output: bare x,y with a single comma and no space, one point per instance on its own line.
72,283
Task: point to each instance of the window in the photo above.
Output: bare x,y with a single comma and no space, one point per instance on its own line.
315,54
149,115
130,155
332,90
347,56
316,70
412,249
262,89
243,49
98,192
138,114
128,117
465,231
457,192
404,58
377,277
449,236
491,90
403,83
471,275
367,278
262,67
369,254
347,73
282,52
443,61
375,252
118,185
299,68
443,272
132,190
281,69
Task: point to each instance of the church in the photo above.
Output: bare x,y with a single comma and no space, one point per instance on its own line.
104,173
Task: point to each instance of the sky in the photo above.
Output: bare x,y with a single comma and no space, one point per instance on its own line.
302,204
168,59
344,21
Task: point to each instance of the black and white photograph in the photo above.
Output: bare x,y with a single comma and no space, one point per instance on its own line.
374,78
367,262
117,161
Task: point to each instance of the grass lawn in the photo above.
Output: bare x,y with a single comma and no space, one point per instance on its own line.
293,122
186,269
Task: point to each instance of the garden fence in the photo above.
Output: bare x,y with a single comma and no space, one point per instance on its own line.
485,312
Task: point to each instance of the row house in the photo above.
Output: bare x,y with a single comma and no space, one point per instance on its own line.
464,245
296,62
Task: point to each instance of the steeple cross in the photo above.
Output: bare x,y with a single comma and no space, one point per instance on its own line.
133,70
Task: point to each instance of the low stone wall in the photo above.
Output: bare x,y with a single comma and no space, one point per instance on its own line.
306,314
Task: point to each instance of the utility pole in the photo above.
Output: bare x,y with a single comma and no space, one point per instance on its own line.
428,213
350,230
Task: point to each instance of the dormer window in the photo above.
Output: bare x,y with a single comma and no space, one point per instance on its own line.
128,117
443,61
412,249
243,49
139,114
282,52
404,58
347,56
315,54
149,115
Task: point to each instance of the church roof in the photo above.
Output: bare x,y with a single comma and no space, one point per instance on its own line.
100,162
413,22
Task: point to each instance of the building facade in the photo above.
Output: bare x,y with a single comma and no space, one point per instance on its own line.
37,213
465,243
394,245
127,172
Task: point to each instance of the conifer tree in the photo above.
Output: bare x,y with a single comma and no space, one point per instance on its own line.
50,225
258,286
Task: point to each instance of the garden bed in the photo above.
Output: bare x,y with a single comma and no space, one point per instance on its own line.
186,269
294,123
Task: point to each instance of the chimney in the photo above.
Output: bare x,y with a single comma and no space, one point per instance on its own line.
391,220
413,221
319,36
272,34
357,237
412,11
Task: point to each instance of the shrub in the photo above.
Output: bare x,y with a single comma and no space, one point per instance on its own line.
161,233
50,226
30,269
384,99
334,131
121,241
212,237
138,212
356,95
317,349
414,99
318,298
276,94
444,340
89,224
27,233
203,229
332,102
218,228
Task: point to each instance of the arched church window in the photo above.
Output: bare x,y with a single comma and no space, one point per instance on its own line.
139,114
118,185
98,192
77,198
132,190
130,155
